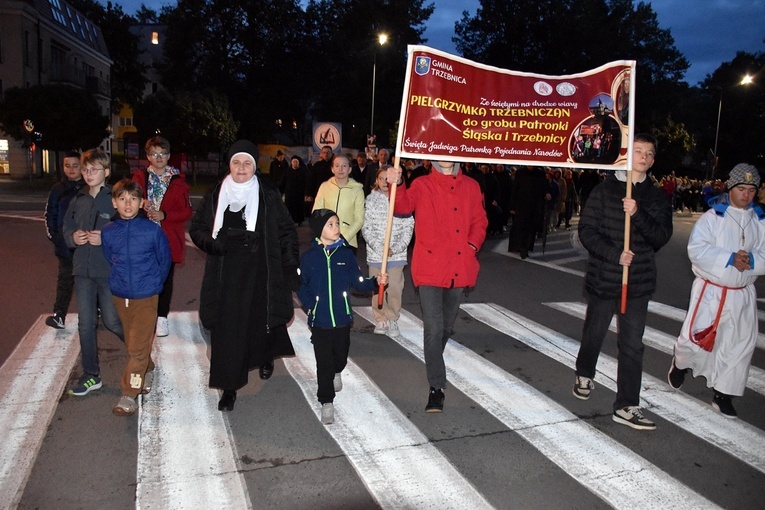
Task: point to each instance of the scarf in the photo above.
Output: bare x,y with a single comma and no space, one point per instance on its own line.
156,186
237,196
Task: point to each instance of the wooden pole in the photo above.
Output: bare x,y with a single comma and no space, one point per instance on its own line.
388,229
626,269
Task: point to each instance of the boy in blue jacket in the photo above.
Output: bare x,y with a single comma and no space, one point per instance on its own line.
328,271
139,255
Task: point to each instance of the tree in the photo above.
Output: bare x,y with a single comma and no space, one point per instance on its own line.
127,79
572,36
742,116
675,143
66,117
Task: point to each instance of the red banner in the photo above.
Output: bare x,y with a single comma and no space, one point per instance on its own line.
457,110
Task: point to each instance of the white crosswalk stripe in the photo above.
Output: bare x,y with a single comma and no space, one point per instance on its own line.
600,463
187,452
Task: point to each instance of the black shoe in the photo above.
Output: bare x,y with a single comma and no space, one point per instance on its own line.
435,401
267,370
676,376
226,402
56,320
724,403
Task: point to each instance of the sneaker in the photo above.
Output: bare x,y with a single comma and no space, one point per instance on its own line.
582,387
56,321
126,406
381,328
676,376
85,385
162,328
724,403
338,382
148,381
632,416
327,413
393,328
435,401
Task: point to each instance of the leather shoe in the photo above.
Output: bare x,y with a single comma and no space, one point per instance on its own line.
226,402
267,370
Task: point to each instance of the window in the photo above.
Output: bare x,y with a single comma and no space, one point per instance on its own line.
126,121
155,38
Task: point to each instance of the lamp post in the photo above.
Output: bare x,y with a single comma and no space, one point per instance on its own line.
382,39
746,80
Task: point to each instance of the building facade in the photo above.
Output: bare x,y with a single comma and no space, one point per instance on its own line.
48,42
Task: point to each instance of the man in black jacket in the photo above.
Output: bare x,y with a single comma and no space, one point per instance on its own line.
601,231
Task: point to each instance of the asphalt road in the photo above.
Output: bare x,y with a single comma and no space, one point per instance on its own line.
511,436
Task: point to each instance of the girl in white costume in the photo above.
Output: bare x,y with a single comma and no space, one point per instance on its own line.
727,253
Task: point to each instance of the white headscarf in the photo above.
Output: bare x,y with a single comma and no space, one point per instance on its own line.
236,196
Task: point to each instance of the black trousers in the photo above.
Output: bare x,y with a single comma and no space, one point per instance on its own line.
330,346
163,303
64,286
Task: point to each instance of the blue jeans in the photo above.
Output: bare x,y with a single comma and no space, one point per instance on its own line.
631,325
439,311
93,293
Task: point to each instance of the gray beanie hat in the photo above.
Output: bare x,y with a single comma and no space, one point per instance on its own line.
744,173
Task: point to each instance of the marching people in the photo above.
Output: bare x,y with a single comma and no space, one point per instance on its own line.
89,211
727,253
166,202
61,194
328,272
252,265
375,224
292,186
601,231
139,256
450,228
344,196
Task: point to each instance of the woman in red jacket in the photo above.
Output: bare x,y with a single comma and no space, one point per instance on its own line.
166,202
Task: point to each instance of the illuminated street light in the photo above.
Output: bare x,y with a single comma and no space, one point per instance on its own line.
746,80
382,39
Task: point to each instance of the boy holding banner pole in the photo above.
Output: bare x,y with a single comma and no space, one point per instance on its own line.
612,247
450,227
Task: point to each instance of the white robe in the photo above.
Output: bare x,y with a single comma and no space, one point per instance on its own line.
712,241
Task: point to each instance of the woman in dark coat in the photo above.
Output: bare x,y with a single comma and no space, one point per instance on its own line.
292,185
252,263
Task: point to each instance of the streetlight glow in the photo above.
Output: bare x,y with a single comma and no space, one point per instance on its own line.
746,80
382,39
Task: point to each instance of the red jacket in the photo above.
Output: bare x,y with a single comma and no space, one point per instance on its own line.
449,226
177,208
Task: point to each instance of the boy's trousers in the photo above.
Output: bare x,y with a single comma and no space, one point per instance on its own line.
139,317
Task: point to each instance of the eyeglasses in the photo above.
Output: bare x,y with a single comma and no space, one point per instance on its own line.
91,171
158,155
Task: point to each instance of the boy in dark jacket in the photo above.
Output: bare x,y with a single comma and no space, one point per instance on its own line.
601,231
139,254
88,213
61,194
328,271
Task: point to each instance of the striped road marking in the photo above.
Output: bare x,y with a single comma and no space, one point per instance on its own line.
186,455
32,378
736,437
659,341
392,457
604,466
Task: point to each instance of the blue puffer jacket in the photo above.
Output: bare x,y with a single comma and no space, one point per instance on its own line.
327,277
139,255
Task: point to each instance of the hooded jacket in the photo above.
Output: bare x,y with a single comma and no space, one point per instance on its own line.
601,231
347,202
449,228
88,213
61,194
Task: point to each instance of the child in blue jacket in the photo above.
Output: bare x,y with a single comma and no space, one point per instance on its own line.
328,271
139,255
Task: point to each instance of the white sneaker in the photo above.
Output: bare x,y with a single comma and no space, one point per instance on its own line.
327,414
338,382
393,328
381,328
163,329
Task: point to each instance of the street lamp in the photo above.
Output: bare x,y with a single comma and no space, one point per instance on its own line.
382,39
746,80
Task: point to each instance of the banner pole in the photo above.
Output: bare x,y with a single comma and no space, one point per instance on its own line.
628,194
388,229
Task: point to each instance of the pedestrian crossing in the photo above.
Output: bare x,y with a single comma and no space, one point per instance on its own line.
393,458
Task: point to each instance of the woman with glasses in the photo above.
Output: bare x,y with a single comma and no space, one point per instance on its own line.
166,202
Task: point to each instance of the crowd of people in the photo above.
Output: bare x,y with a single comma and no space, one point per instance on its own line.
247,227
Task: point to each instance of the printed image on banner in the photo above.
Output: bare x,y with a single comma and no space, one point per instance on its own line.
459,110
